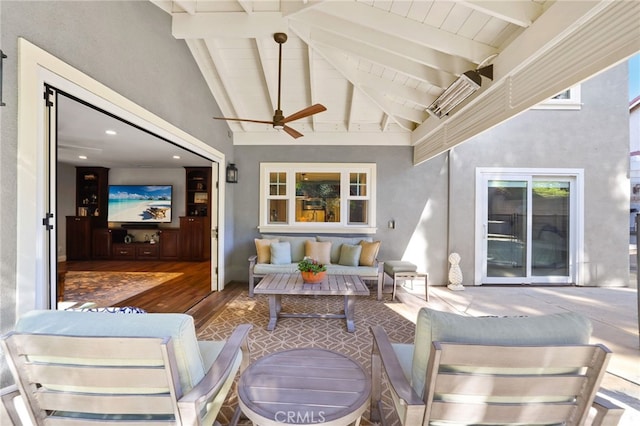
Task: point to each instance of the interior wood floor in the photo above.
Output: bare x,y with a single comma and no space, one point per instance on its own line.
189,293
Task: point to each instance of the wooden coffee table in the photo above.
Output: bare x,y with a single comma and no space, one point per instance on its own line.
306,386
276,285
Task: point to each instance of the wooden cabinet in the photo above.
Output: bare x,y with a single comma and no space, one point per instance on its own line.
146,251
101,244
195,227
123,251
78,237
169,244
194,241
92,187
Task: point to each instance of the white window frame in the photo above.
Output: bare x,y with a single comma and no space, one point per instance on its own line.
342,227
572,103
483,174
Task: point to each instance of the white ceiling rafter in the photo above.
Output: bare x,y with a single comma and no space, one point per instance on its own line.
339,63
408,29
520,13
395,46
377,65
385,59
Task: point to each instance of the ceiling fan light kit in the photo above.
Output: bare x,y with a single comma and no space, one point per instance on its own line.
466,85
279,121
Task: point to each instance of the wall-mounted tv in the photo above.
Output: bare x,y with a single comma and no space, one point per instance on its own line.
140,203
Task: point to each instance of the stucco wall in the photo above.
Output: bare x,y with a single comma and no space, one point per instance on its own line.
128,47
595,138
414,197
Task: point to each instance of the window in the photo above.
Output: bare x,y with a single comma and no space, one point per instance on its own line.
317,197
567,99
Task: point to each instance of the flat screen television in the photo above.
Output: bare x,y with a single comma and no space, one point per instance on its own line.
139,203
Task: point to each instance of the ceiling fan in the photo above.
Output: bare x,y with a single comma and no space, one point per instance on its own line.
279,121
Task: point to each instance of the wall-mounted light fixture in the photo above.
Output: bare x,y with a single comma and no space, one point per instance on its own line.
232,173
465,86
2,57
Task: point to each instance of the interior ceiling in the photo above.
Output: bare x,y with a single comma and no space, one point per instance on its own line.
81,132
377,65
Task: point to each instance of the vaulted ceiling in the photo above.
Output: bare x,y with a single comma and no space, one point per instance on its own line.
377,65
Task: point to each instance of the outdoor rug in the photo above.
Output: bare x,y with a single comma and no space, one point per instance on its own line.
310,332
110,288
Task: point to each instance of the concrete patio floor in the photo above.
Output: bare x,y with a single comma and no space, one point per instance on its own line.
613,313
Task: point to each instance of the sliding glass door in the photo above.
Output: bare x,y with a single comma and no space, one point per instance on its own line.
528,223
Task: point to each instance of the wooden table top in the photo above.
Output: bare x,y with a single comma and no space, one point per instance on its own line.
306,386
293,284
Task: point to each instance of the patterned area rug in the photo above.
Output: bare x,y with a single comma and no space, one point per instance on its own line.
310,332
110,288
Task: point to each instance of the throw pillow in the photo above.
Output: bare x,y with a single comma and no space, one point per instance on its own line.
318,251
350,255
281,253
369,252
263,249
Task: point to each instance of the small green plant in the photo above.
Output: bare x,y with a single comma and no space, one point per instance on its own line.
311,265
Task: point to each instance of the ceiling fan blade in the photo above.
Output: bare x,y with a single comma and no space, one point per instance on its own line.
292,132
313,109
244,119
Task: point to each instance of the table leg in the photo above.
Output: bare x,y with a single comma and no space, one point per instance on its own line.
349,309
274,309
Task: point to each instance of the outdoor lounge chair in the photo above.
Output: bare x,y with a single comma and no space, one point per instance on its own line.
110,369
490,370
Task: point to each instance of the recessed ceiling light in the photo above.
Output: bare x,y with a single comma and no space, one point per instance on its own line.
111,132
176,157
82,157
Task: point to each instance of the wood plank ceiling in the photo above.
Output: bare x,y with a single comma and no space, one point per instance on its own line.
377,65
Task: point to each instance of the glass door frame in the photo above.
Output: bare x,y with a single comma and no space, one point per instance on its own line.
575,177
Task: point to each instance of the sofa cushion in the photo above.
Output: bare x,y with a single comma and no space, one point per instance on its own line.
432,326
369,252
350,254
369,272
263,249
320,251
281,253
297,244
270,268
179,327
337,242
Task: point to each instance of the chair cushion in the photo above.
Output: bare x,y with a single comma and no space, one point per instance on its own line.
393,266
369,252
350,255
179,327
263,249
432,325
320,251
281,253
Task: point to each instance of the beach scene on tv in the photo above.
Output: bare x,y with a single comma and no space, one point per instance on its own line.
139,203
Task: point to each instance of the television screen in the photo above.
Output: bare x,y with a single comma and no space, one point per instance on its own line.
139,203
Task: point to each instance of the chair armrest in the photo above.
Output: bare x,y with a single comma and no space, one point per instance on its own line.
607,413
392,368
252,263
191,403
9,394
252,260
383,356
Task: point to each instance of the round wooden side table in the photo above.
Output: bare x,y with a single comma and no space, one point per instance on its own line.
305,386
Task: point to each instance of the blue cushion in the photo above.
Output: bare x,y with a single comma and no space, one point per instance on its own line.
281,253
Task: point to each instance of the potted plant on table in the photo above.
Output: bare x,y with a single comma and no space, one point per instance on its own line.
311,270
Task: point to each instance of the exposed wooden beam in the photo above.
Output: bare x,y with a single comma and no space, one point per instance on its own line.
520,13
408,29
188,6
381,41
246,5
384,58
228,25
